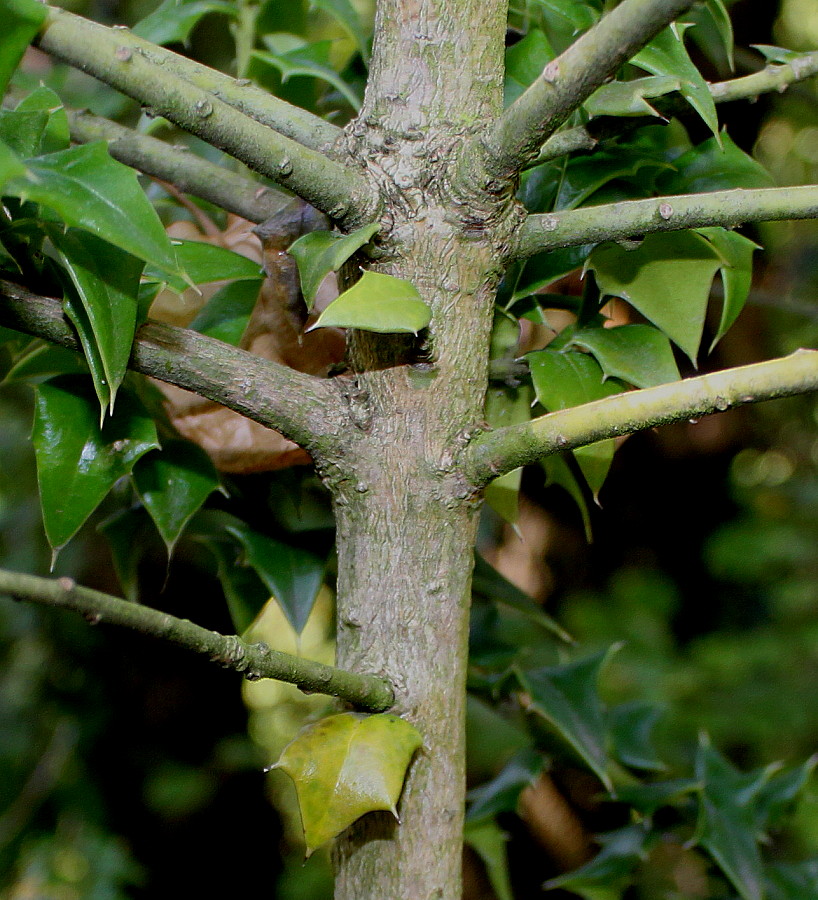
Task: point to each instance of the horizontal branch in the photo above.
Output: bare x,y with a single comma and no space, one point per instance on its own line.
254,661
191,173
629,218
571,78
494,453
302,407
100,51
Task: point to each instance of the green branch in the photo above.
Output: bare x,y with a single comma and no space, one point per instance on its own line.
571,78
190,173
303,408
254,661
494,453
105,54
614,221
291,121
772,78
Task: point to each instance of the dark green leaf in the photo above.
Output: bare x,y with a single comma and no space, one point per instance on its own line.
90,190
378,303
545,268
489,583
293,576
488,840
567,697
559,472
77,463
345,766
736,252
226,315
106,284
321,252
525,61
726,826
57,135
502,793
22,20
632,726
666,55
711,167
173,484
779,793
604,877
630,98
244,591
638,354
173,20
648,798
586,175
667,278
128,534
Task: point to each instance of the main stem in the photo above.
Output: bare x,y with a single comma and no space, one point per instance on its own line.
406,524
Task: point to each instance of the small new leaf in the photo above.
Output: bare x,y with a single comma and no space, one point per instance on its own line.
346,766
320,252
379,303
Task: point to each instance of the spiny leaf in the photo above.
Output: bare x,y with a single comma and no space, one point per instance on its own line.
56,135
714,165
666,55
630,98
567,696
346,766
502,793
77,463
90,190
245,593
321,252
203,263
525,61
344,12
632,726
736,271
605,875
638,354
292,575
667,278
102,306
173,484
227,314
379,303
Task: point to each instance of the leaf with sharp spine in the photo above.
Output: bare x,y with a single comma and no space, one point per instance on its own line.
345,766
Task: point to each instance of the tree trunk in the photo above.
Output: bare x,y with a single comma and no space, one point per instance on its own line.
406,524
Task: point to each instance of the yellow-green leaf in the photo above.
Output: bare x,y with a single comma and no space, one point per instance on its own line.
345,766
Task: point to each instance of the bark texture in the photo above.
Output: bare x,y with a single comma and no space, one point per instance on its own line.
406,520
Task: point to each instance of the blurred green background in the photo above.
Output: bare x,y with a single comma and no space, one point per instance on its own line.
130,770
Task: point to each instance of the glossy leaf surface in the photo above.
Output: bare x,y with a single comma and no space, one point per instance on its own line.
714,166
173,484
345,766
667,278
292,575
202,263
630,98
90,190
320,252
56,136
379,303
77,463
106,284
502,793
227,314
